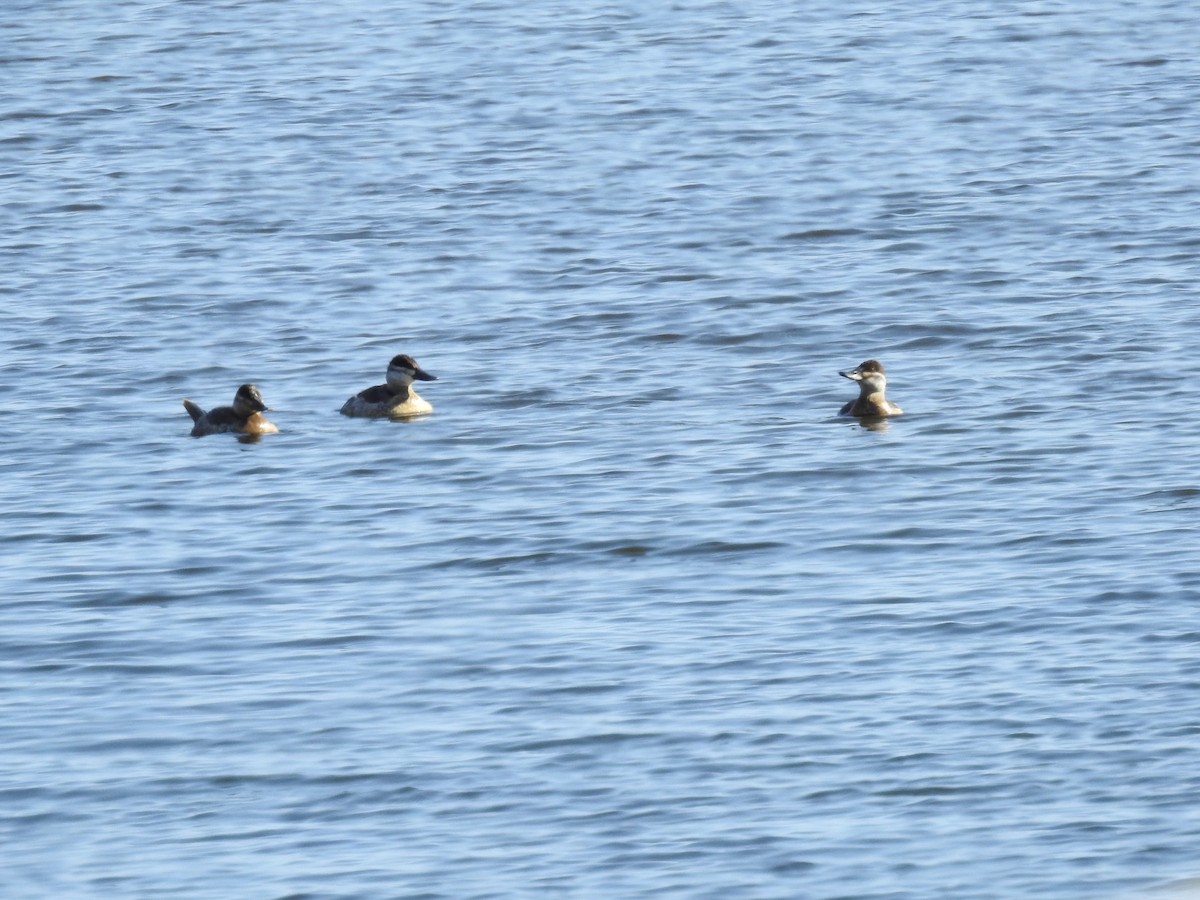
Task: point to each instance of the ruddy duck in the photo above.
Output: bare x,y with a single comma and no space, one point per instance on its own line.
871,385
243,417
395,399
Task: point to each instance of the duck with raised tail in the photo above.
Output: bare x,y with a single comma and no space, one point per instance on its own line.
245,416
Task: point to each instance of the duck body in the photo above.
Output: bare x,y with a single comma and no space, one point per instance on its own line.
245,416
396,399
872,385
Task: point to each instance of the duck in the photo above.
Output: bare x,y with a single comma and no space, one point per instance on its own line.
396,399
871,386
243,417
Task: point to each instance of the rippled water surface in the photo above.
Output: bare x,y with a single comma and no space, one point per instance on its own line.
633,613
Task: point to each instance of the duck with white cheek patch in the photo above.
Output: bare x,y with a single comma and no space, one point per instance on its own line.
245,416
396,399
872,384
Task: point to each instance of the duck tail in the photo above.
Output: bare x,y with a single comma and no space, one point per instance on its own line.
193,410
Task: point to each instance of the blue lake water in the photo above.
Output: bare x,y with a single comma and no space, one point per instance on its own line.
633,613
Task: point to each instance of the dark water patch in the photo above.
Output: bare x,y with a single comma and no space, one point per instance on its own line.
706,548
25,114
101,599
114,745
78,207
628,550
589,741
150,597
250,835
335,640
503,562
1147,62
74,538
683,277
935,791
586,689
793,867
820,234
197,570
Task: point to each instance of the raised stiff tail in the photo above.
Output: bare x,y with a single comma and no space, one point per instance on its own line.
193,410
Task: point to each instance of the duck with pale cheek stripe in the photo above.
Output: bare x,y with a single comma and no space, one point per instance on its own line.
243,417
396,399
871,386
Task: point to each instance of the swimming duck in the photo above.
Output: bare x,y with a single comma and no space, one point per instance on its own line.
396,399
243,417
871,385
